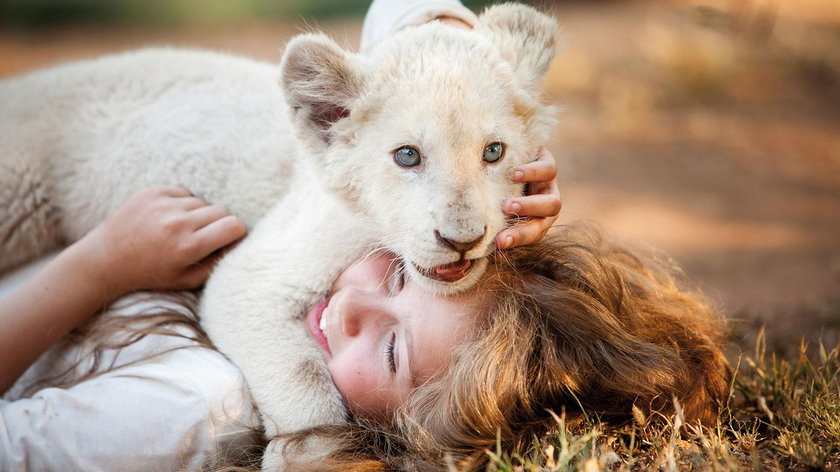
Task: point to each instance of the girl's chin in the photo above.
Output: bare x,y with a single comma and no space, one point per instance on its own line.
313,319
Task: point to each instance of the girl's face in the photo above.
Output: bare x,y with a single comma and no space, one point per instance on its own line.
383,334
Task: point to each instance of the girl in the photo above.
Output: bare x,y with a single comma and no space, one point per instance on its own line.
572,324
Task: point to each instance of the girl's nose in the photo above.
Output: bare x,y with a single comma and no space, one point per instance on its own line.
360,310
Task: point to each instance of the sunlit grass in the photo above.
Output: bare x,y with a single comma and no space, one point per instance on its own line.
782,415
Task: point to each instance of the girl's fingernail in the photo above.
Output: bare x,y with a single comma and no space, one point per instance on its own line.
517,175
515,207
508,242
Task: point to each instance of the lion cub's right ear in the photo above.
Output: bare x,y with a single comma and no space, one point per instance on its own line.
525,37
321,82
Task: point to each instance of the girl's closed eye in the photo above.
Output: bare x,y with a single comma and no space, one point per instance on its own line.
401,277
389,353
398,277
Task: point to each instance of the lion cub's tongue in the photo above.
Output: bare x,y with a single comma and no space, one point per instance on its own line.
454,271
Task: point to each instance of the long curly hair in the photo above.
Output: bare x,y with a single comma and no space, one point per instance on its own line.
577,325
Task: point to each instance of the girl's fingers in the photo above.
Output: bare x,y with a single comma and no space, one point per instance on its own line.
189,203
195,275
536,188
523,233
534,206
544,169
204,215
180,197
169,190
541,205
217,235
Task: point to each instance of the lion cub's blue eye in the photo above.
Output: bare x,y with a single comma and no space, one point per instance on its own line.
494,152
407,156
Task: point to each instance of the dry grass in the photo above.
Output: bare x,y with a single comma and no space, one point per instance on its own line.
783,414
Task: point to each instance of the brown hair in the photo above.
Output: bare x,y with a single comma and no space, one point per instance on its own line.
577,325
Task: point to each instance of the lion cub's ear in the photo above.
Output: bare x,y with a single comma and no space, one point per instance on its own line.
525,37
320,81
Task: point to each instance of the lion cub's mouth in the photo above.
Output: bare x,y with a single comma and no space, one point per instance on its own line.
451,272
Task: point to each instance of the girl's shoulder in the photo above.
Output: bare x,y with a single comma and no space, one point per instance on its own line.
168,397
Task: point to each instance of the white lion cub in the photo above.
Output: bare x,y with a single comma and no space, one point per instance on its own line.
407,150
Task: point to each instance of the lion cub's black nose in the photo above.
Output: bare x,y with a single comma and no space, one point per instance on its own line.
460,246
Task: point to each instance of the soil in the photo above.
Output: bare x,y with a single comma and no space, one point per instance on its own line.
709,134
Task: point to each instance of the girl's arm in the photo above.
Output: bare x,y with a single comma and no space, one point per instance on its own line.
161,238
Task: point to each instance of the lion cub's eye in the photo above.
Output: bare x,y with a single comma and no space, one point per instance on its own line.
407,156
494,152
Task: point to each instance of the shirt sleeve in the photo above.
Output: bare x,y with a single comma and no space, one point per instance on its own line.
385,17
177,411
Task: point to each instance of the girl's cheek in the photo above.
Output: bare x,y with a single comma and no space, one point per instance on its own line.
351,377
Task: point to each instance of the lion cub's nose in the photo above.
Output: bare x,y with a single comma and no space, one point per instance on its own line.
460,246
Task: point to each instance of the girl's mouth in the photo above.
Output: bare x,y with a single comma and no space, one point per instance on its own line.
317,326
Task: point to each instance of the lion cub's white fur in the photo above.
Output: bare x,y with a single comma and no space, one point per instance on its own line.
79,139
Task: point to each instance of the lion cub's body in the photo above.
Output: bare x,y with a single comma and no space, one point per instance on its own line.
79,139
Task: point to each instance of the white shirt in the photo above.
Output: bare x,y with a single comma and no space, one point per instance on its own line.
386,17
179,410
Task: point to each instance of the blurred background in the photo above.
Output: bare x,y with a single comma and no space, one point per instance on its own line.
709,129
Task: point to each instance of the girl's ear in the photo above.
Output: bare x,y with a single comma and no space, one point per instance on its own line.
525,37
320,81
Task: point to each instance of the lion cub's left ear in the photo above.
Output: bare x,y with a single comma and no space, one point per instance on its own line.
321,82
525,37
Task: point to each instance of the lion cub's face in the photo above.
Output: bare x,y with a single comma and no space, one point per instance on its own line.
422,136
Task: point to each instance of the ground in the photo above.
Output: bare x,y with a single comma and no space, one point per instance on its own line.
711,132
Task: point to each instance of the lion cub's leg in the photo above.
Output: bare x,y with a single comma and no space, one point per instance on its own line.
254,307
28,219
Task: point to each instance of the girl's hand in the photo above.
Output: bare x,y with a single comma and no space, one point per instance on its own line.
160,238
541,204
